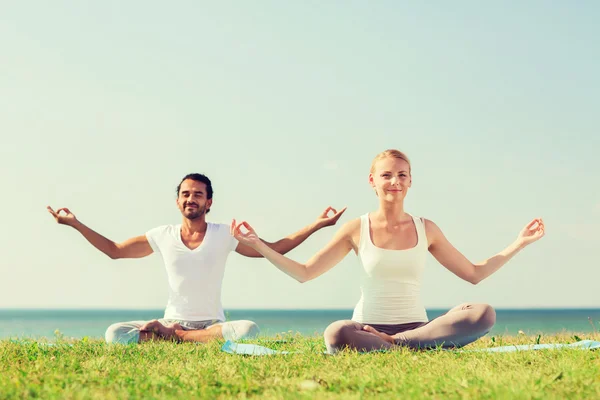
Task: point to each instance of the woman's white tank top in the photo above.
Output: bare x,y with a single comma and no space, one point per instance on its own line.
391,283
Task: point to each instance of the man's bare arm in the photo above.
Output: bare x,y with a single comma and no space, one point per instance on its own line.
136,247
292,241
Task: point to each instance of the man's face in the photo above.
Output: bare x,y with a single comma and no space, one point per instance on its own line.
192,201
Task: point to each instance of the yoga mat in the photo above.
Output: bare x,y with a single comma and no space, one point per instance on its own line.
249,349
583,345
256,350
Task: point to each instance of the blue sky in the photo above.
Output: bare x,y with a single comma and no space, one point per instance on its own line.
105,106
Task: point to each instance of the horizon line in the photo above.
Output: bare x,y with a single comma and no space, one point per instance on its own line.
271,309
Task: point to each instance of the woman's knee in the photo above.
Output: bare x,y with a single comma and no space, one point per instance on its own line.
337,333
481,317
487,316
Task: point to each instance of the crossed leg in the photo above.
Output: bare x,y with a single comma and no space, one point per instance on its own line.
189,331
458,327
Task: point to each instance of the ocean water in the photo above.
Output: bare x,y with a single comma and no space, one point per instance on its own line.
29,323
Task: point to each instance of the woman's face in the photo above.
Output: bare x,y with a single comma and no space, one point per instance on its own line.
391,178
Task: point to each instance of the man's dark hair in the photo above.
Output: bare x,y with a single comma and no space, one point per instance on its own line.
198,178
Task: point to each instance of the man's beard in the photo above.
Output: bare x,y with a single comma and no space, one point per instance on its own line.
194,214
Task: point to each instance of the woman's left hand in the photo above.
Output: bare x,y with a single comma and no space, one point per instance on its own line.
249,238
534,230
382,335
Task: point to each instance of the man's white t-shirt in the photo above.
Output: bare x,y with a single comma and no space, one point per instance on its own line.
195,276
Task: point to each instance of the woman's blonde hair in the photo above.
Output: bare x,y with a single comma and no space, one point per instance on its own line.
390,153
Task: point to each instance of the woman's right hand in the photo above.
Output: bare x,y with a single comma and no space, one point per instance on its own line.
249,238
533,231
68,219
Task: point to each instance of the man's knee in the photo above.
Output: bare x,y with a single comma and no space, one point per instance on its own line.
122,333
243,329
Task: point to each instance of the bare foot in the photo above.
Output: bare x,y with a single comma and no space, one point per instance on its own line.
382,335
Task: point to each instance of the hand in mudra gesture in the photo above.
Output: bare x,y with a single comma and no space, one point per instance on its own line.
63,216
533,231
244,233
325,219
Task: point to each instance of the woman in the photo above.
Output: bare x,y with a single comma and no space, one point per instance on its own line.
392,246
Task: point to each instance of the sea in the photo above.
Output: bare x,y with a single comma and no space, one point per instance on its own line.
92,323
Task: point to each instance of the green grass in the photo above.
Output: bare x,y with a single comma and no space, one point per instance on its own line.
92,369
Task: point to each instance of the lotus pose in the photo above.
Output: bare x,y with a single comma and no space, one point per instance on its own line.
392,246
194,254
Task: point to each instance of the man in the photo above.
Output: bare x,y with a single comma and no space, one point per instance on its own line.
194,254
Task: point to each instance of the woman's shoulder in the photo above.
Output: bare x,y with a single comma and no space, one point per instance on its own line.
353,223
351,227
429,224
431,229
426,222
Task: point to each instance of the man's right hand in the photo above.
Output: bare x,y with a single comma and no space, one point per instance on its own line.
67,219
136,247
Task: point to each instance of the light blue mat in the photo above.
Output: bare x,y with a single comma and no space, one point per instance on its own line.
256,350
249,349
583,345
